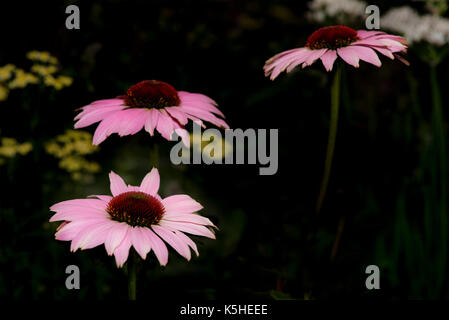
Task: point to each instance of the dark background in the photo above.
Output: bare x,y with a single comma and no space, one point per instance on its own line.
385,182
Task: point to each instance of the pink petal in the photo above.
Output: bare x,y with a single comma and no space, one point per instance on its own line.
122,252
205,115
158,246
78,203
280,64
188,227
140,241
132,121
96,237
71,229
315,55
77,214
385,52
95,115
184,134
328,59
200,101
305,56
349,56
151,120
150,184
368,55
188,241
173,240
180,203
165,125
363,34
178,114
94,234
118,186
108,126
115,236
189,218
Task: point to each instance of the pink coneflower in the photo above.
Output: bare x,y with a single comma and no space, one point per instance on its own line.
149,104
327,43
133,216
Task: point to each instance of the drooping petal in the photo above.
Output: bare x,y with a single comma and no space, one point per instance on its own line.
91,236
107,126
349,55
368,55
158,246
95,115
315,55
282,62
115,236
140,241
173,240
71,229
132,121
151,121
328,59
188,241
165,125
121,253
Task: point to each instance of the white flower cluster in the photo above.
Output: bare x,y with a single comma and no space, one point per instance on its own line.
339,10
415,28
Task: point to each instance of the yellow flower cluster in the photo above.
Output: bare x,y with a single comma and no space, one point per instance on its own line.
22,79
12,78
46,66
42,56
6,72
59,82
70,148
9,148
4,92
44,70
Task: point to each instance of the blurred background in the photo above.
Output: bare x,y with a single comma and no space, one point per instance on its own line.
387,201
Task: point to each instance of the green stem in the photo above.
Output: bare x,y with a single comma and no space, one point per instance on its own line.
335,105
132,279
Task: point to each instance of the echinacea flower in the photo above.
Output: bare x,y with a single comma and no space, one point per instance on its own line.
153,105
328,43
133,216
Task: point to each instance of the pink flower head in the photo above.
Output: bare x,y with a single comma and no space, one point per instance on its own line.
153,105
133,216
329,42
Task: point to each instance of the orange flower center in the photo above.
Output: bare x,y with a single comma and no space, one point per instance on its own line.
332,37
151,94
136,209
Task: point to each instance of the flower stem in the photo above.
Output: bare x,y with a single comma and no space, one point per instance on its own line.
132,279
335,105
